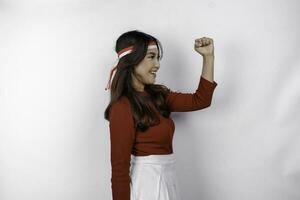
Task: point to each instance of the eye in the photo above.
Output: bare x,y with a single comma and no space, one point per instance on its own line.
158,58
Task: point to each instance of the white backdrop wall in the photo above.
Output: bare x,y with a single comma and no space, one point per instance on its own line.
55,59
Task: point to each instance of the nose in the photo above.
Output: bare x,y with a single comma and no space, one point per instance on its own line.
157,64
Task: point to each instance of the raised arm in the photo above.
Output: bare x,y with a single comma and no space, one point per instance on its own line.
202,97
122,135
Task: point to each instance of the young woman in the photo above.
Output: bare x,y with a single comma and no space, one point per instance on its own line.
141,128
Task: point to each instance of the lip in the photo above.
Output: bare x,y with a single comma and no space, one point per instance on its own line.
154,75
154,70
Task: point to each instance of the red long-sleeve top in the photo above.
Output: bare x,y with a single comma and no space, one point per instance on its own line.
126,140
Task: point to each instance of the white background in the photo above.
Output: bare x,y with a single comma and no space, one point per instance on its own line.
55,60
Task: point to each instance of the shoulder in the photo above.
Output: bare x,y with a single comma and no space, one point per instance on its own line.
160,89
122,102
122,105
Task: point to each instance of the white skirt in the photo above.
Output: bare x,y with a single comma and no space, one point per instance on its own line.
154,177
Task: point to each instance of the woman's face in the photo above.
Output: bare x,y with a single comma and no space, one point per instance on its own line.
145,71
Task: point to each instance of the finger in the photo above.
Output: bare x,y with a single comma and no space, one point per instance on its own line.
210,40
207,40
198,42
204,41
197,45
200,39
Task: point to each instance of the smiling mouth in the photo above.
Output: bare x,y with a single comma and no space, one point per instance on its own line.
154,75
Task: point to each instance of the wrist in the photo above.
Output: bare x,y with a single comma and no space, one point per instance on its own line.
209,56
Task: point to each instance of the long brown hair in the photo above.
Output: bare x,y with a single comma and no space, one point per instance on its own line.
142,106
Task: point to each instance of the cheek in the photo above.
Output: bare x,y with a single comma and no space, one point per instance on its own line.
144,72
143,75
146,77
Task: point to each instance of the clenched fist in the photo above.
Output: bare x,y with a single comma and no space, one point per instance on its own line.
204,46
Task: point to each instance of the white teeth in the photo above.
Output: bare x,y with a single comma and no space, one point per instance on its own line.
153,74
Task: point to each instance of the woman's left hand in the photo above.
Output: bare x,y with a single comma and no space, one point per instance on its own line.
204,46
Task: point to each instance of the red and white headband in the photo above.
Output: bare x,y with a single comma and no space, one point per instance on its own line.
123,52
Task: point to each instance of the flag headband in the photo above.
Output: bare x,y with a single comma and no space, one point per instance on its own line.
122,53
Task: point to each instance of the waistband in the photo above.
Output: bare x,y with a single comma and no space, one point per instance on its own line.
154,159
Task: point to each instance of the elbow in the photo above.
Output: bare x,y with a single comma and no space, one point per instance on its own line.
203,106
208,104
203,101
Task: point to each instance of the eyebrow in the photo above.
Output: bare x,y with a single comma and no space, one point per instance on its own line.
151,53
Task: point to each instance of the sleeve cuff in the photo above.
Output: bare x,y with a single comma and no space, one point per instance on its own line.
208,84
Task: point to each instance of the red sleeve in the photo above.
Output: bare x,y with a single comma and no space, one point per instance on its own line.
122,135
183,102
